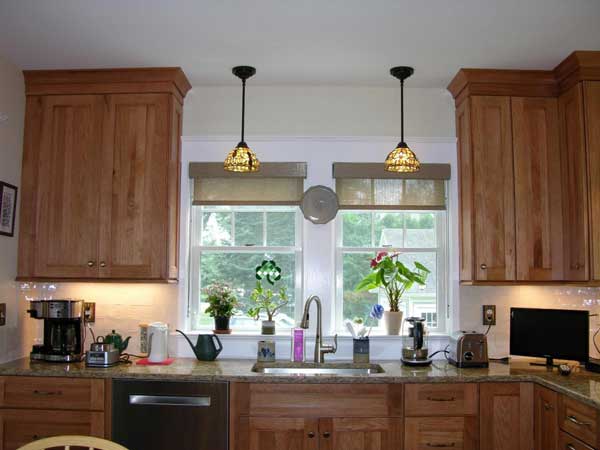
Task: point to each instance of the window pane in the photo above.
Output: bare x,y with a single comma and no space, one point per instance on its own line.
420,230
248,228
238,270
389,229
281,229
355,267
357,229
216,228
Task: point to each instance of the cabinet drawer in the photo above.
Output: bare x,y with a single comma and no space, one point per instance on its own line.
19,427
52,393
441,399
578,420
325,400
568,442
426,433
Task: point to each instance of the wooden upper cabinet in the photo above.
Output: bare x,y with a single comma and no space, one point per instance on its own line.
465,190
538,195
68,156
101,170
592,120
134,237
493,189
574,184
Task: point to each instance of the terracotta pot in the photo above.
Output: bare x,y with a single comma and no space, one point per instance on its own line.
393,322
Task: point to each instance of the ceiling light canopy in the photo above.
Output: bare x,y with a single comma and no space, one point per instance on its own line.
242,158
402,158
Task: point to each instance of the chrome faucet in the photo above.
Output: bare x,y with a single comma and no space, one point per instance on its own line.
320,349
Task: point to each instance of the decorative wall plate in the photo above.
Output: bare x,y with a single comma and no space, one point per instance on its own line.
319,204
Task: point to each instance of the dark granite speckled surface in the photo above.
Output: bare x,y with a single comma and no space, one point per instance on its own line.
581,385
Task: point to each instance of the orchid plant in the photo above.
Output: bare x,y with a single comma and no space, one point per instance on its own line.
388,273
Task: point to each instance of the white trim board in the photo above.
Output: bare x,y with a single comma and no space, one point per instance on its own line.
274,138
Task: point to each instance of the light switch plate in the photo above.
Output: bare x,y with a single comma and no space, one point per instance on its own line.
489,314
2,314
89,312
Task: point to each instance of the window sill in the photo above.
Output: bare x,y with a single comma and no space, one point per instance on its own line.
286,335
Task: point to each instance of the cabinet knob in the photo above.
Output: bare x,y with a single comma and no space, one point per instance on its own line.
577,266
311,434
548,406
102,264
326,434
483,267
91,263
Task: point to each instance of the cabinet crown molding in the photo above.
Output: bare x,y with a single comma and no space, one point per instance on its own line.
107,81
578,66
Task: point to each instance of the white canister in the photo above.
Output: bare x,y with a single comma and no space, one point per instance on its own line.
158,341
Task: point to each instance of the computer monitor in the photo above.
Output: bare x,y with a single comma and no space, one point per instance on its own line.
550,334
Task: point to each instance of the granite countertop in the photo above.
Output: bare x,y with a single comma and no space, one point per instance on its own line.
581,385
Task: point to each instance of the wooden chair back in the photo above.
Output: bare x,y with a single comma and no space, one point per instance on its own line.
67,442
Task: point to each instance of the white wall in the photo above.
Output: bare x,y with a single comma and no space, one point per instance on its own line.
318,111
12,103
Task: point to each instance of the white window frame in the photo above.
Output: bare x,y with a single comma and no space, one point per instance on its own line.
442,263
196,250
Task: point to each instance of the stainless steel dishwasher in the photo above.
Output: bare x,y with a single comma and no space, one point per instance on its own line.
159,415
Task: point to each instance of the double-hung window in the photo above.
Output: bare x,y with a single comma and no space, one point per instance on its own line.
237,222
395,213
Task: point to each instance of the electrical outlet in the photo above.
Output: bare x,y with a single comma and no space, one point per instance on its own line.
89,312
2,314
489,314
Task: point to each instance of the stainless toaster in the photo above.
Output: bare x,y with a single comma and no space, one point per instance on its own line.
468,349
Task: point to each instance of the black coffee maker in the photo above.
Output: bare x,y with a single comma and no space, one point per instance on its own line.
63,330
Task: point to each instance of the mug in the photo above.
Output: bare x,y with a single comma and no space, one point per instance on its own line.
266,351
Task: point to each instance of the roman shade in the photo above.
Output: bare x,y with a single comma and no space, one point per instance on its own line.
369,186
274,184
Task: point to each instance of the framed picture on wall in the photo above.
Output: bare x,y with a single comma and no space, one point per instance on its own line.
8,208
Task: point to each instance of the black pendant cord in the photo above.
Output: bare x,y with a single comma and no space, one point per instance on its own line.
402,111
243,107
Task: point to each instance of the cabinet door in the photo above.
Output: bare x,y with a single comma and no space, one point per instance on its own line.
506,416
546,419
360,434
592,115
465,190
68,180
538,194
493,189
281,433
575,201
133,237
19,427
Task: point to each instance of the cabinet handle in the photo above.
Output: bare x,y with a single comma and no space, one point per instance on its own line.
548,406
446,445
47,393
102,264
91,263
578,422
483,267
311,434
441,399
326,434
577,266
570,447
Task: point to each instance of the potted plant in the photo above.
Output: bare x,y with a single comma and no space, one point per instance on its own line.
221,306
391,275
268,301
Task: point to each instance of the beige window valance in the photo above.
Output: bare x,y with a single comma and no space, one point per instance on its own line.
369,186
275,184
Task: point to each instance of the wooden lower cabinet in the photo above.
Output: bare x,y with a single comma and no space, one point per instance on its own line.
332,433
457,433
545,419
568,442
506,416
19,427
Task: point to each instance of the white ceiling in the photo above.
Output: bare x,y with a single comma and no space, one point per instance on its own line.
342,42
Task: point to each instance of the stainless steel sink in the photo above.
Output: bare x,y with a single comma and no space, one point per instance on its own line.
284,368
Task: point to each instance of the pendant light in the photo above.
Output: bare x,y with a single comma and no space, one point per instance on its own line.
402,158
241,158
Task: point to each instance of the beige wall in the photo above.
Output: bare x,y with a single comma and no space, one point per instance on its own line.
12,103
318,111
